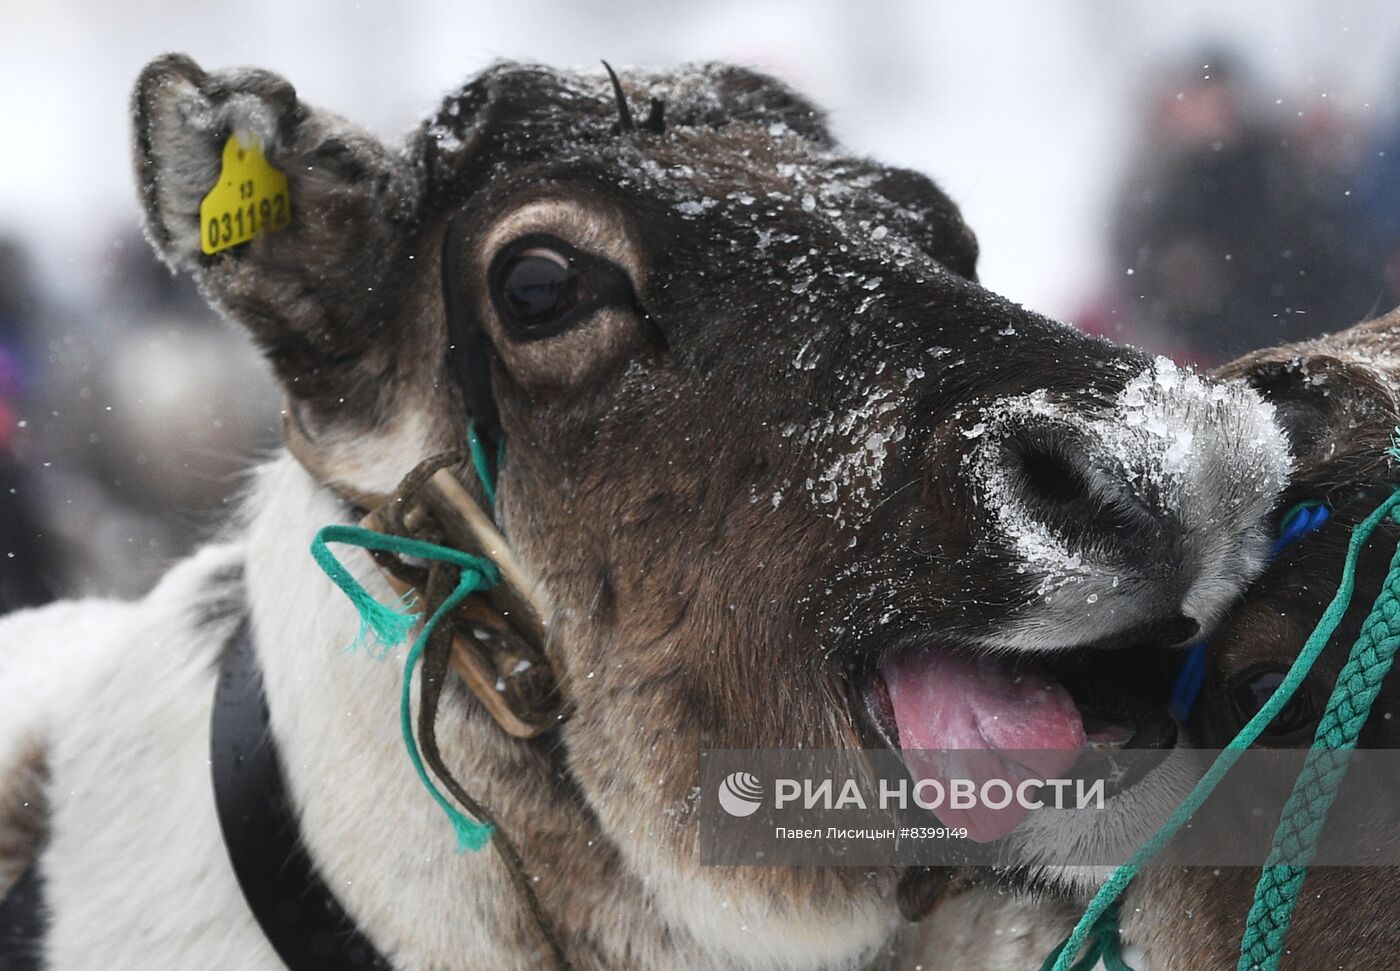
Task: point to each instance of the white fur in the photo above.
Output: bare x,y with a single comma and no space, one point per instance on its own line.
36,648
134,870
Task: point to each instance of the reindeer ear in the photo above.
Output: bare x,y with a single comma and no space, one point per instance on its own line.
1336,398
303,291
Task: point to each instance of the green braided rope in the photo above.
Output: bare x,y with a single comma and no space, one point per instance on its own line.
1100,918
1305,813
1104,945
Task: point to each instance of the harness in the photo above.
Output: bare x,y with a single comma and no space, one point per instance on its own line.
299,914
439,547
441,551
1302,519
482,626
1096,937
23,922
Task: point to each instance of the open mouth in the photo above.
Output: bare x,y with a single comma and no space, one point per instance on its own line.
969,715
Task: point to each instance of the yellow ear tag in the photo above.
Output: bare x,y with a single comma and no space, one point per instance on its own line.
250,198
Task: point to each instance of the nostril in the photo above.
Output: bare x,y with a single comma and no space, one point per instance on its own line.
1180,630
1049,475
1068,490
1049,468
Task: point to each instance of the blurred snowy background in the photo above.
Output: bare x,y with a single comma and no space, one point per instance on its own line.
1194,177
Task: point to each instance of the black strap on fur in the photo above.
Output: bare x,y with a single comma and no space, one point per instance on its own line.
22,923
471,351
300,916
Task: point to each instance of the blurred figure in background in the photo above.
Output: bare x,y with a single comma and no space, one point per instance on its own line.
26,562
1380,194
1235,231
152,411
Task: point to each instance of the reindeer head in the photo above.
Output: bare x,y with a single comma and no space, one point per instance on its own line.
1340,399
782,472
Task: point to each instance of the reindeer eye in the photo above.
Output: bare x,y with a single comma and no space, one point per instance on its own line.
1251,688
536,289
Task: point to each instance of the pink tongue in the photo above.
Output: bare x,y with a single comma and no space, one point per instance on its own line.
983,722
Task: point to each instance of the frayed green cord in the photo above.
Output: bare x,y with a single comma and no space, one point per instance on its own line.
390,626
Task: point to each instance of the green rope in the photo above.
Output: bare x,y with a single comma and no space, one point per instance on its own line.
383,627
391,625
1100,917
1300,824
1105,945
483,467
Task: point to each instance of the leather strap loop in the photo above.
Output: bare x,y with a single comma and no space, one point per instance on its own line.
23,923
299,914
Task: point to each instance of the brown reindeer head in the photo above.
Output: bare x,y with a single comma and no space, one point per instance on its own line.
770,448
1339,398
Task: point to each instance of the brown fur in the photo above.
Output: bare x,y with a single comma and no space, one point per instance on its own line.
1341,393
23,812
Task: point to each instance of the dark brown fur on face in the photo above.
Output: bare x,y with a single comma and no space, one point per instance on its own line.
1340,396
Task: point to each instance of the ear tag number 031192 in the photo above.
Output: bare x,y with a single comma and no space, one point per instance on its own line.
250,198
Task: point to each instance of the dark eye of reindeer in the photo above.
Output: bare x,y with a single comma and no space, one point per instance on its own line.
538,288
1251,688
